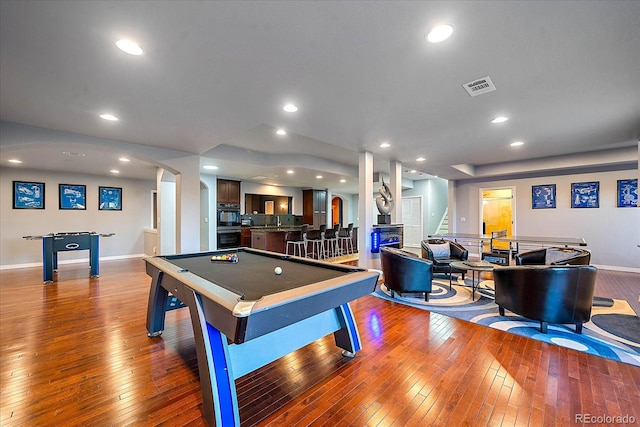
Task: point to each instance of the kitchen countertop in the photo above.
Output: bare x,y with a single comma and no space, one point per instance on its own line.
275,228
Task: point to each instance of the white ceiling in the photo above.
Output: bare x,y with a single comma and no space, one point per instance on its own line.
215,75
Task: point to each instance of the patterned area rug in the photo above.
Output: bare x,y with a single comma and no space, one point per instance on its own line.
602,338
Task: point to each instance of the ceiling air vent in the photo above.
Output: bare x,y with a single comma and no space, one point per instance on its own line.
479,86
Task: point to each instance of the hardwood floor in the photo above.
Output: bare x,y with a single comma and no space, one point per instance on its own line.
76,353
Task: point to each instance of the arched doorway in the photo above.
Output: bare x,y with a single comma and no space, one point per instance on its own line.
336,210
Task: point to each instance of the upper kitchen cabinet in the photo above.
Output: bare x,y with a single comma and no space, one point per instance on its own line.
228,191
314,207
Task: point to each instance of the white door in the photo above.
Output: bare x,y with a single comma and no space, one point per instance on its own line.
412,220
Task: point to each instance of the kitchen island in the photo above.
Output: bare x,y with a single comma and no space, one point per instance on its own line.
272,238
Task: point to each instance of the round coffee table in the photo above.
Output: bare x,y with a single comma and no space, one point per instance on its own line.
474,266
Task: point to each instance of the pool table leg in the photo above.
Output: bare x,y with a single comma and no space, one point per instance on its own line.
156,305
348,337
219,399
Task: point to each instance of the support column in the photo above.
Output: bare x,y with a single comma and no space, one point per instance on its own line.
187,203
328,208
365,205
166,211
395,185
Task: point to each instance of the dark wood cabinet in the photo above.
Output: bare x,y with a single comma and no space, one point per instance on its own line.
245,237
268,240
314,207
228,191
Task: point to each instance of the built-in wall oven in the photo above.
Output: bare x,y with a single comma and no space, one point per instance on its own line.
228,221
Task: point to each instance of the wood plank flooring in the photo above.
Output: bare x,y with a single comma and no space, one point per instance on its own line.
76,353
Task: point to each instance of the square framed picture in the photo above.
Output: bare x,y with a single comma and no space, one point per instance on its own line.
543,196
628,193
110,198
585,194
28,195
72,197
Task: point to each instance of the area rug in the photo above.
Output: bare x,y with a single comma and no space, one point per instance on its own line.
607,335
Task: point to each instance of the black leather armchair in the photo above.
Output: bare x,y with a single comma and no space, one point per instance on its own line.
554,256
457,252
550,294
405,272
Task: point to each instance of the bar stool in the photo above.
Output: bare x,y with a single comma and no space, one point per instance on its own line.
297,241
345,240
331,241
316,238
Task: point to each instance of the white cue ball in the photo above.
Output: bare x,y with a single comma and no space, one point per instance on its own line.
278,270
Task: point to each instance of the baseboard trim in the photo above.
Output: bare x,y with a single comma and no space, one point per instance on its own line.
70,261
617,268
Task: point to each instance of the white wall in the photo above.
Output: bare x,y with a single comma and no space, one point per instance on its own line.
434,193
128,224
167,217
611,232
210,181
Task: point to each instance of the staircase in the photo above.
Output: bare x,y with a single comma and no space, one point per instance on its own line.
443,227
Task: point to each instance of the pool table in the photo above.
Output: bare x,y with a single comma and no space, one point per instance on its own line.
244,315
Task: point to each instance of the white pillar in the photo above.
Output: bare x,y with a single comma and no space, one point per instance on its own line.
187,203
365,205
395,184
328,209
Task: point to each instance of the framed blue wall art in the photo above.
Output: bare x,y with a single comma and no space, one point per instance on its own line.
110,198
585,194
28,195
628,193
72,197
543,196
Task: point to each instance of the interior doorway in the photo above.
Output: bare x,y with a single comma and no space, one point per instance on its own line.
336,211
497,212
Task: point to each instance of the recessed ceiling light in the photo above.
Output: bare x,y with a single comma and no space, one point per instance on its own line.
385,145
289,171
439,33
343,180
124,159
210,167
114,171
517,143
15,161
290,108
413,171
109,117
129,47
318,176
420,159
281,132
500,119
259,177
